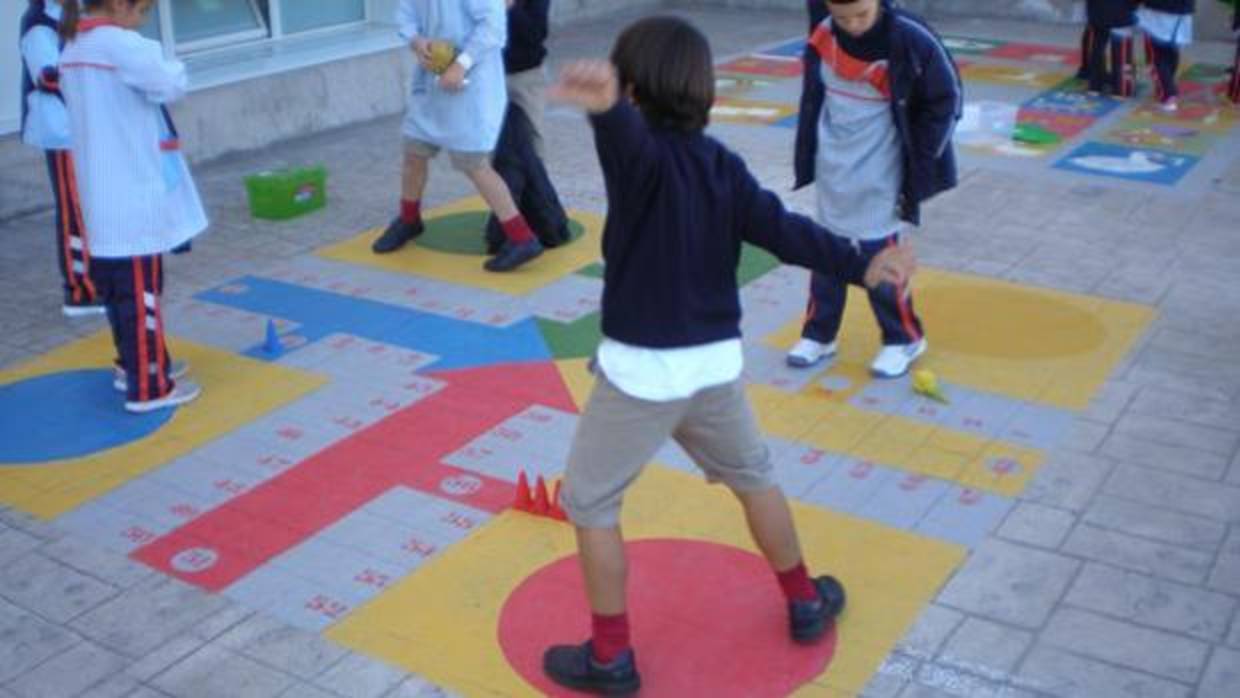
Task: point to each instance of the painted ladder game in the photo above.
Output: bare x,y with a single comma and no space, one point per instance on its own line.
356,479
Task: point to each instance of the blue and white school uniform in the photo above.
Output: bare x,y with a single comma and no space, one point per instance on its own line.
45,125
137,195
468,121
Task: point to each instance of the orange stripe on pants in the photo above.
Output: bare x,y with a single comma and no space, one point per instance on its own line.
144,370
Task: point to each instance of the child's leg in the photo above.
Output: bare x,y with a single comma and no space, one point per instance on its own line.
825,309
528,91
616,436
72,251
1164,61
1096,61
893,307
522,245
720,433
1087,39
134,301
407,225
1234,89
1122,62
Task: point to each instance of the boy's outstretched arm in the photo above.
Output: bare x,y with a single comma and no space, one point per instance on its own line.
795,239
621,135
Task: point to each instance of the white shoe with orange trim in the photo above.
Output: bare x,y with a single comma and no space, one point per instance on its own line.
894,360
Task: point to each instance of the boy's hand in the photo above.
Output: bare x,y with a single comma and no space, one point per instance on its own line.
422,51
894,265
453,79
591,85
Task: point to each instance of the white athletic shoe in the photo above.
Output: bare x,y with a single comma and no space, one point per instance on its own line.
184,392
76,310
894,360
176,371
807,352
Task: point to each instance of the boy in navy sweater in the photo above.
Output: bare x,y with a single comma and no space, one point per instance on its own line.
679,206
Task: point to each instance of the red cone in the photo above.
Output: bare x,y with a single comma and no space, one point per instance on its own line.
542,503
523,501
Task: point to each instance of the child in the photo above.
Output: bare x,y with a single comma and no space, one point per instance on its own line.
1168,26
679,206
880,99
518,155
1233,88
461,111
1110,25
45,125
137,195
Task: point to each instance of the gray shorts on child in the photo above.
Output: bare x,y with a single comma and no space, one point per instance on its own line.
619,434
461,160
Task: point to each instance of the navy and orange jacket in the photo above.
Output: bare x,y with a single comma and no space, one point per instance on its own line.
927,99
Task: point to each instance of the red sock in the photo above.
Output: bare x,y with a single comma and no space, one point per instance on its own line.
796,584
410,211
516,229
611,636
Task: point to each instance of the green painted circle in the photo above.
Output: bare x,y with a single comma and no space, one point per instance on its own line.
465,233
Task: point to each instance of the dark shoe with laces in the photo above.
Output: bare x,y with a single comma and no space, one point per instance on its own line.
574,666
397,234
808,621
513,255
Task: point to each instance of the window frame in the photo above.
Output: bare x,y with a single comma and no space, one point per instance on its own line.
271,30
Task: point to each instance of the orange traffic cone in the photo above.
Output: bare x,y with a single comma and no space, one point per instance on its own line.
542,504
557,512
523,501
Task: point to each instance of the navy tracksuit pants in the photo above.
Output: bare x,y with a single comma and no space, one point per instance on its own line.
893,307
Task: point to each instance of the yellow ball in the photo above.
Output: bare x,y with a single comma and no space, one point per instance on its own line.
442,55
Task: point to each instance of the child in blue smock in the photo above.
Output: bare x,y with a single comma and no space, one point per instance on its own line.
461,111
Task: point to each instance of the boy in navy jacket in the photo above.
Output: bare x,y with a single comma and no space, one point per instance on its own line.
880,101
679,205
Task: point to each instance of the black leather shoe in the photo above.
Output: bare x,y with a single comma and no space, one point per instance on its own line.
397,234
574,666
809,620
513,255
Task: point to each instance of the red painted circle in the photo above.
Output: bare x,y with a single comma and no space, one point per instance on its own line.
707,620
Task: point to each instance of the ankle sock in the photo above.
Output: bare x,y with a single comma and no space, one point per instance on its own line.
611,636
517,230
796,584
410,211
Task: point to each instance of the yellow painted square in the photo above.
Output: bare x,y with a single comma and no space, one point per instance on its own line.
467,269
442,622
1032,344
1012,75
236,390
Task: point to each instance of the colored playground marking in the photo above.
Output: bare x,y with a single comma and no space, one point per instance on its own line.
456,268
451,233
1028,343
1124,162
768,66
1037,53
443,623
745,111
1012,75
238,391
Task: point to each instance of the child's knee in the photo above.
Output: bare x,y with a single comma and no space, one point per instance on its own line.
473,165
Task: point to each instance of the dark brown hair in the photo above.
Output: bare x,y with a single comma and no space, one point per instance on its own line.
71,14
665,63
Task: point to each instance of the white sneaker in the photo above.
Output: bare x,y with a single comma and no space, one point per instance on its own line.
807,352
176,371
183,392
1170,106
893,360
76,310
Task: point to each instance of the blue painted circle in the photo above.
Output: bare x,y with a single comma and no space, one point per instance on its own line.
68,415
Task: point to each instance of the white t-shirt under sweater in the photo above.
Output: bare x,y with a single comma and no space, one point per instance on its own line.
662,375
136,192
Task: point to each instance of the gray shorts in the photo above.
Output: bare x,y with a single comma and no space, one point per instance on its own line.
463,161
619,434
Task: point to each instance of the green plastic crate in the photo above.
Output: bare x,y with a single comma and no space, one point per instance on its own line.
282,194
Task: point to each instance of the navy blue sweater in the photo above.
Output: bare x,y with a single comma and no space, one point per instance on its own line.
527,35
1109,14
1179,7
679,204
